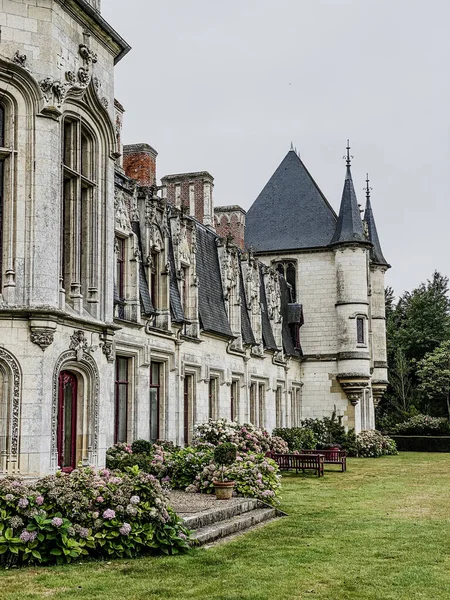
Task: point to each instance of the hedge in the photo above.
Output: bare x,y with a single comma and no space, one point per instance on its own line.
422,443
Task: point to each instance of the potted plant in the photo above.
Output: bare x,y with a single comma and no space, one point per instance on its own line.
224,456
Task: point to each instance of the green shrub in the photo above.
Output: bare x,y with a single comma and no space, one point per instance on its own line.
372,444
422,425
141,447
297,438
64,517
422,443
186,463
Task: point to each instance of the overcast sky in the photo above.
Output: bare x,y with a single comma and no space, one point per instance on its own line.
225,86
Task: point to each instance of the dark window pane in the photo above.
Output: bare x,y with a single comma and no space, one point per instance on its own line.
2,126
360,330
291,279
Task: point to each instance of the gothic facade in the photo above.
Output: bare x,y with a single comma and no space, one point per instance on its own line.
133,310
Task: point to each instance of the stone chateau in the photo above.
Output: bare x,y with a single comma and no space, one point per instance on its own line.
134,309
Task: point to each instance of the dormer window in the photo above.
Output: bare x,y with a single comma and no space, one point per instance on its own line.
288,270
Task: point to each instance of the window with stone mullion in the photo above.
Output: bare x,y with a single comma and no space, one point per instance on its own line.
79,236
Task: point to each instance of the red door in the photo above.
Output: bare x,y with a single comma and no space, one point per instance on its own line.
67,421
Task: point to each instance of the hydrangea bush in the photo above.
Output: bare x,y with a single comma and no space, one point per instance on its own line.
372,444
247,437
193,467
422,425
64,516
256,476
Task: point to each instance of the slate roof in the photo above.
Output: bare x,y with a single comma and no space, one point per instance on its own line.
144,295
267,333
176,308
246,328
211,305
376,254
291,212
349,227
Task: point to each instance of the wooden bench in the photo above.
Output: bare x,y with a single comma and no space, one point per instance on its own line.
303,462
331,456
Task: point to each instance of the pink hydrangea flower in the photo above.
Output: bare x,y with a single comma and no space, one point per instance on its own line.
125,529
23,503
39,500
57,522
109,514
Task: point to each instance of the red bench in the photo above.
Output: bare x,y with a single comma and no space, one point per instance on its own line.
304,462
331,456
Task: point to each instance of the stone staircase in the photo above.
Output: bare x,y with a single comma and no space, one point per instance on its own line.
222,521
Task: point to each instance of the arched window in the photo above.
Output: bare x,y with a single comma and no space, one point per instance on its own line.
289,271
79,216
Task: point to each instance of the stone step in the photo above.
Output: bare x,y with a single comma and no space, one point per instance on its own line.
238,523
229,510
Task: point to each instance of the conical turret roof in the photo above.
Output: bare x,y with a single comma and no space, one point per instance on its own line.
349,227
291,212
376,254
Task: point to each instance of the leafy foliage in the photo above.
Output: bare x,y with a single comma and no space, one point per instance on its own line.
66,516
372,444
417,325
422,425
297,438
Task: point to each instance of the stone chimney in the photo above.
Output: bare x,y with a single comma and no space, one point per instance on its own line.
230,221
192,192
139,163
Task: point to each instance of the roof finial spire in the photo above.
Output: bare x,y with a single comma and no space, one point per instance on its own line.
292,145
367,188
348,158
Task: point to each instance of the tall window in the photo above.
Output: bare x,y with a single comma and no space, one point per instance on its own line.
213,398
4,153
155,400
289,272
278,407
234,399
253,391
261,404
295,407
121,400
79,221
189,410
120,277
360,330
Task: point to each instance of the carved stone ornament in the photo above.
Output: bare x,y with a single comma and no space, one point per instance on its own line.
104,101
121,213
107,346
84,76
79,344
353,389
20,59
42,338
108,351
87,55
13,367
55,91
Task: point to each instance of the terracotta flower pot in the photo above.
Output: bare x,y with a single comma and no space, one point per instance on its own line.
224,489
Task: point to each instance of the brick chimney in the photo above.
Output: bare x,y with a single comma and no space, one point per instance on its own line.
139,162
193,192
230,221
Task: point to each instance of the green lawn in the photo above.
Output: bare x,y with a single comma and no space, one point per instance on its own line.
380,531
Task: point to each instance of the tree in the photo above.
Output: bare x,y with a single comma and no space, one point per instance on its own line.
434,374
416,325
